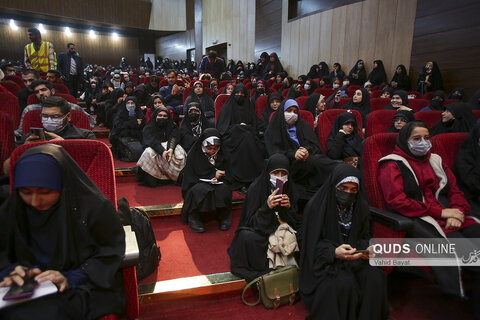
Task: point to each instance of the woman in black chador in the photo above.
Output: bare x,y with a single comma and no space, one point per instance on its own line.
467,169
262,211
192,126
457,117
243,149
60,226
336,282
206,161
292,136
344,141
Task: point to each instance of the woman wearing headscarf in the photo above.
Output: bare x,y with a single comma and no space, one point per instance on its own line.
143,99
314,72
400,119
228,89
475,101
430,79
310,86
457,117
295,91
436,101
265,209
417,183
293,137
400,79
378,74
336,281
261,64
231,67
158,101
337,72
324,70
387,92
112,105
467,168
316,105
237,126
200,95
126,134
213,195
273,102
239,67
164,157
360,102
192,126
344,142
273,67
358,74
261,89
458,94
287,83
399,101
153,85
59,226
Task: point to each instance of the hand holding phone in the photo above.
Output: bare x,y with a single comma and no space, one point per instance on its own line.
21,292
38,132
279,186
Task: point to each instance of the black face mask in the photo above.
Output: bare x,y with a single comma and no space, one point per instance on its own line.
345,199
260,90
457,96
162,122
436,104
239,99
298,94
194,117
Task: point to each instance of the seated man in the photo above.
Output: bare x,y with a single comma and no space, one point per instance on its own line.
44,89
173,93
28,77
56,123
53,76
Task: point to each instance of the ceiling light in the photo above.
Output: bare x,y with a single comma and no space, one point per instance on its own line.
115,36
68,33
13,25
41,28
92,34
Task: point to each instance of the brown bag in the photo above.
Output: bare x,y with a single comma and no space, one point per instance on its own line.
277,288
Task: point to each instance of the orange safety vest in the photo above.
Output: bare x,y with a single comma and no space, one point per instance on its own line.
39,59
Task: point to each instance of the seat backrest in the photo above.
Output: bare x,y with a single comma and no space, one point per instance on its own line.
18,80
9,105
307,116
223,83
378,103
60,88
301,101
269,82
326,121
32,99
375,148
277,86
260,105
248,86
430,117
219,102
417,104
325,92
446,145
6,137
94,157
352,88
415,93
427,95
376,94
11,86
379,121
340,103
448,101
32,119
476,113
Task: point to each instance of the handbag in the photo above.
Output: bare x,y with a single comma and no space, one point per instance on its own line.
276,288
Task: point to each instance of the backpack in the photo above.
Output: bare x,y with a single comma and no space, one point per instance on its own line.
149,253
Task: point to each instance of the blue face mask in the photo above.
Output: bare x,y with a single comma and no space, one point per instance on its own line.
131,109
419,148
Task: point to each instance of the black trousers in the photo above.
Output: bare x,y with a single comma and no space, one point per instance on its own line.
73,84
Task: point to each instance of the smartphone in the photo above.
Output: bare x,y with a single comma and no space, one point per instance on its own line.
362,251
38,132
21,292
279,186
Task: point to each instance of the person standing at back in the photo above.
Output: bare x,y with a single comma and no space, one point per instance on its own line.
70,64
212,65
39,55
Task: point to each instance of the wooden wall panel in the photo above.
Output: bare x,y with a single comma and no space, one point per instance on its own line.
447,32
366,30
175,46
233,22
268,26
101,50
168,15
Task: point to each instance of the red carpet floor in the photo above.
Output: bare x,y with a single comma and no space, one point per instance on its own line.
138,195
186,253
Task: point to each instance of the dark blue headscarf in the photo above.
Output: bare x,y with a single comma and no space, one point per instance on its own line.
38,170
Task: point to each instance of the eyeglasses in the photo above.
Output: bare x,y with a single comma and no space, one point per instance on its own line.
52,116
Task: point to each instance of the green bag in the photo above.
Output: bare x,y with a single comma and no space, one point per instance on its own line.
276,288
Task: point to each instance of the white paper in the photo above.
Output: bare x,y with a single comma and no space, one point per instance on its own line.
211,181
43,289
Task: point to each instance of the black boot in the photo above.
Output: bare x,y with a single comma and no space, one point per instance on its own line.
195,223
225,220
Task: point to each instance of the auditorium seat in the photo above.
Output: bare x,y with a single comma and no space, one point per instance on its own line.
285,91
416,94
32,119
476,113
376,94
248,86
32,99
17,79
186,92
163,83
351,90
379,121
418,104
60,88
379,103
447,145
11,86
223,83
269,82
340,103
181,83
325,92
326,120
95,159
448,101
277,86
430,117
9,105
6,137
427,95
307,116
245,81
301,101
219,102
260,105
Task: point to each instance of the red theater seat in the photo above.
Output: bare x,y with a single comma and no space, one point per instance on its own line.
11,86
9,105
6,137
32,119
219,102
379,121
430,117
260,105
32,99
60,88
326,120
379,103
17,79
418,104
301,101
447,145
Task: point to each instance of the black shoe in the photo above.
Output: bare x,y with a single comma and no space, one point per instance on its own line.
195,223
244,190
226,222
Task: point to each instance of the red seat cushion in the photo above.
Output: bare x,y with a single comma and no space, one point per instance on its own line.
378,103
219,102
6,137
430,117
9,105
446,145
379,121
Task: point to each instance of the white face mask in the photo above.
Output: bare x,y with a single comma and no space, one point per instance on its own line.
335,85
291,118
346,83
273,179
53,125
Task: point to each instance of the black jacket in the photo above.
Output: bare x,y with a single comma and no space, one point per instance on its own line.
63,64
